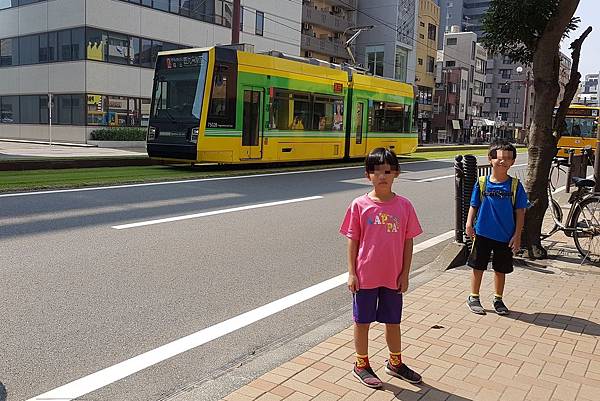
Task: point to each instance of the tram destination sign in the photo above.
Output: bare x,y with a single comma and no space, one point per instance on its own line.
182,61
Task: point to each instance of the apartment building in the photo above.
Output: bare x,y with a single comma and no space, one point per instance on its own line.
96,57
325,26
427,33
389,49
462,53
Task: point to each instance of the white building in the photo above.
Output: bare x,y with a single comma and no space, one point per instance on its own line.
96,57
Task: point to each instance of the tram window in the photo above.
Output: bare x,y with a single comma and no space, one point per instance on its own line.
328,114
580,127
221,109
388,117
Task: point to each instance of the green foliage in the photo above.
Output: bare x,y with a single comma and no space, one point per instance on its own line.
119,134
514,27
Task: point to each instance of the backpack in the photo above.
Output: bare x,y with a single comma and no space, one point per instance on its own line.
514,184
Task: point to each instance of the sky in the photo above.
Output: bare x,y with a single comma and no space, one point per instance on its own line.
589,11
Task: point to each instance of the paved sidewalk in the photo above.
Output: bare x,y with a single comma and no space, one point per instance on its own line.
548,348
25,150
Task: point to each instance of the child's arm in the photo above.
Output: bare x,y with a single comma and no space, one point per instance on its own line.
470,231
406,263
515,241
352,255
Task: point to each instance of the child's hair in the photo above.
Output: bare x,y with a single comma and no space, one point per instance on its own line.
501,144
379,156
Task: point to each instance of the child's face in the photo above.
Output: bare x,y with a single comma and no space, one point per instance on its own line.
503,161
383,176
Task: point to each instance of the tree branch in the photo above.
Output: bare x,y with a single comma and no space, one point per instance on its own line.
573,84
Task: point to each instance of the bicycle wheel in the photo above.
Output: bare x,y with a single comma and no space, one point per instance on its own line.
551,216
587,234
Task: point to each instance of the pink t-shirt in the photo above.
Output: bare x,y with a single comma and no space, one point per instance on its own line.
381,229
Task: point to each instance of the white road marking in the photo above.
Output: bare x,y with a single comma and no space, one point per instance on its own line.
150,184
104,377
213,212
435,178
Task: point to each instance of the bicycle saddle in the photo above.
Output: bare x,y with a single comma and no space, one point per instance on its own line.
583,182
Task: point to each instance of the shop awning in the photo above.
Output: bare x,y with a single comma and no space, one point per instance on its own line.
489,123
455,124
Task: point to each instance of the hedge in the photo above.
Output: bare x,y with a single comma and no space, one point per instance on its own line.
119,134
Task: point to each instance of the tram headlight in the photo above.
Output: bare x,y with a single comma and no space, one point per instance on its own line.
194,137
151,133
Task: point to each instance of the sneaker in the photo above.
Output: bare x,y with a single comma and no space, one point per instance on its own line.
499,307
403,372
367,377
474,305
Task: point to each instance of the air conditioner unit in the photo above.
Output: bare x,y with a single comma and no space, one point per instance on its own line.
307,26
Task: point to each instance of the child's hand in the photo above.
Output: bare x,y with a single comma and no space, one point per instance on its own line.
353,283
515,243
470,231
403,283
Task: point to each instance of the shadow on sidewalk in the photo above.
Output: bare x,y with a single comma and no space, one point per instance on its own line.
2,392
425,391
529,265
568,323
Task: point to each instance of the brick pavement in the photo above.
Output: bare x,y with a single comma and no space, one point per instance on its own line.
546,349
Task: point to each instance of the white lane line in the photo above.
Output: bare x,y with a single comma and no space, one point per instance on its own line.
213,212
104,377
435,178
150,184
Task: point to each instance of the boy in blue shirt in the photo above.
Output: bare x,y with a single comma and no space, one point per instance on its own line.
498,228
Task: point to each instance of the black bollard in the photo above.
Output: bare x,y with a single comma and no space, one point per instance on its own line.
458,198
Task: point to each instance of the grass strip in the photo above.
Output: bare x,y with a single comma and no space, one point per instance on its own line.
31,180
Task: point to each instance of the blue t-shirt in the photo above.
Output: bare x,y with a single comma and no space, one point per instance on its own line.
495,217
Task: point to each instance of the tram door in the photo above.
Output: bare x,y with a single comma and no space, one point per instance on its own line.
359,126
252,128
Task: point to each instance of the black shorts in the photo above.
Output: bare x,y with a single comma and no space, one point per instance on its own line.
483,247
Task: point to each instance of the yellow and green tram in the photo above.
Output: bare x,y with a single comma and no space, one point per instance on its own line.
223,105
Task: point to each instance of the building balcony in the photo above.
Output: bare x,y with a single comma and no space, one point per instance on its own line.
331,47
345,4
325,19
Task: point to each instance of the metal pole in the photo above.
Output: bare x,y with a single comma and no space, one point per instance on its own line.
525,108
458,199
515,112
446,102
597,162
50,117
235,24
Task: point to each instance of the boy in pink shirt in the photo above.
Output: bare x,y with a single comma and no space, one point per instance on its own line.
380,227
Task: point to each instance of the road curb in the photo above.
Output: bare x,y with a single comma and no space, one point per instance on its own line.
51,164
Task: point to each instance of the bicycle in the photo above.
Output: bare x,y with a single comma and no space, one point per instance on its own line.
582,223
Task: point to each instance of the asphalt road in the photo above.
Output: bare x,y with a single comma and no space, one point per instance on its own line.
78,295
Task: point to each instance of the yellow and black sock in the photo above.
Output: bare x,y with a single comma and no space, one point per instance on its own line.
362,361
395,358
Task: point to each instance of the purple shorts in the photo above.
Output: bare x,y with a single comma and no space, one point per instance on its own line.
377,304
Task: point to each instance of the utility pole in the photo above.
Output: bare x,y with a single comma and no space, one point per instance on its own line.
235,24
597,161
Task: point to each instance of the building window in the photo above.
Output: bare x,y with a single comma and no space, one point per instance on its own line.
241,19
504,88
401,64
9,109
480,66
420,61
375,55
451,41
478,88
421,36
472,50
118,48
506,60
505,73
421,23
9,52
29,49
450,63
432,32
487,100
260,23
34,109
430,64
504,102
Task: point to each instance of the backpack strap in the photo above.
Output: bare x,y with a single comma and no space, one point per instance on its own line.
514,185
482,184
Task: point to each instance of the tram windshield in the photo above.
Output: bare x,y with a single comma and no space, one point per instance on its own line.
179,88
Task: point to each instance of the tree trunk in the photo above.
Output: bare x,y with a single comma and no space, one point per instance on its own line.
542,142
